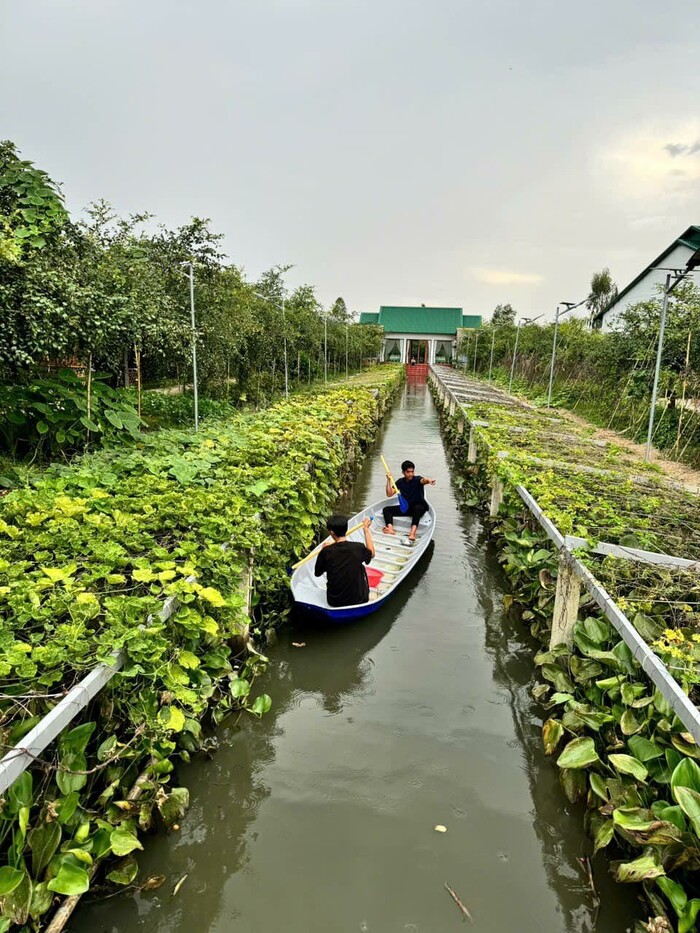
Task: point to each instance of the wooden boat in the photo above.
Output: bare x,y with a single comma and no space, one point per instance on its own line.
393,561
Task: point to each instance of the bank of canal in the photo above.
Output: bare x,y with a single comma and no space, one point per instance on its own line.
321,817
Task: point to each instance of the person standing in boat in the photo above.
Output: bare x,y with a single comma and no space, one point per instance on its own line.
411,488
342,561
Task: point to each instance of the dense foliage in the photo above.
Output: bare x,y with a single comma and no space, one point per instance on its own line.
618,745
90,552
607,377
109,294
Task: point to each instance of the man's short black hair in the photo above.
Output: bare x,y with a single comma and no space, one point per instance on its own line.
338,525
407,465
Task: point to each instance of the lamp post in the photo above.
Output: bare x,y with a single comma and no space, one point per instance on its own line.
568,306
190,275
493,344
476,345
325,348
523,320
678,276
347,330
284,335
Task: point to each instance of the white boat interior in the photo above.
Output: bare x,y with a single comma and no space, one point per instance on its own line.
394,558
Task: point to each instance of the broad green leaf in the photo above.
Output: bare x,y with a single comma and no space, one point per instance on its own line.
686,774
239,687
628,723
123,842
43,841
175,805
172,718
552,733
262,705
42,899
124,871
626,764
10,878
20,793
598,786
686,923
579,753
71,879
634,819
643,868
674,892
689,802
644,749
604,835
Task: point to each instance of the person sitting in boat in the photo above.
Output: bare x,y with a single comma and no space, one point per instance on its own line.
411,488
341,560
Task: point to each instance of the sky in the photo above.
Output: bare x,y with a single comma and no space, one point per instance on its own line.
452,152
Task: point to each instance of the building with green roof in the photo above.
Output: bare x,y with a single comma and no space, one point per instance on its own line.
645,285
422,334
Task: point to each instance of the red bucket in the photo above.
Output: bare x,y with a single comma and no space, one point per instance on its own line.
374,576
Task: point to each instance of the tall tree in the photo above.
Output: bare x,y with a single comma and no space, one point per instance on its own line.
503,314
603,291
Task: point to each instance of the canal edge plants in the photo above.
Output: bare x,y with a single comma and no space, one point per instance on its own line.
89,553
615,739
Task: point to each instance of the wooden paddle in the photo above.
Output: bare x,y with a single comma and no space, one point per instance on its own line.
403,502
320,547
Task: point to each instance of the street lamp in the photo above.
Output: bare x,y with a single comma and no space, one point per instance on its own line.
346,351
190,275
493,344
325,348
284,335
523,320
678,276
568,306
476,346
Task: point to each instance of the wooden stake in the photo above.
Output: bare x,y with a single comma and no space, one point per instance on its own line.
496,496
566,603
471,452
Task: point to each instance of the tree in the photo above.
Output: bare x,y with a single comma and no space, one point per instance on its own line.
503,314
603,292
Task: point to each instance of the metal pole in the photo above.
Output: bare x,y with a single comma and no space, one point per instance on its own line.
194,349
659,351
286,368
493,343
554,350
476,344
515,351
346,351
325,348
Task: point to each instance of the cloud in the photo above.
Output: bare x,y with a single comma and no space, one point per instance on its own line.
506,277
642,163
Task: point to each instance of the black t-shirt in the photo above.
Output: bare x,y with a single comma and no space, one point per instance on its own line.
412,490
347,581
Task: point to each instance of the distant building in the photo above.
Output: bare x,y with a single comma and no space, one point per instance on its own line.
423,335
644,286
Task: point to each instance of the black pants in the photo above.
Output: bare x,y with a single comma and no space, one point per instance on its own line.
415,511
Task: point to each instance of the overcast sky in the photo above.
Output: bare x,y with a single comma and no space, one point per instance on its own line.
452,152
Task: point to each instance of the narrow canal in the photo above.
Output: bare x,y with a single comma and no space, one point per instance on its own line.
321,817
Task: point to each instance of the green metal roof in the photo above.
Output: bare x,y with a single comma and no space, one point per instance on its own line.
689,238
405,320
471,320
369,317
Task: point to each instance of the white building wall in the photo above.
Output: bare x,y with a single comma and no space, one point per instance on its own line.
646,287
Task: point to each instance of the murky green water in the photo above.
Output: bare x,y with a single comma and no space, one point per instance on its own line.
321,817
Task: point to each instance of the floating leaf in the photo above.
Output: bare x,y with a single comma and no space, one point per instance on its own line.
71,878
124,871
